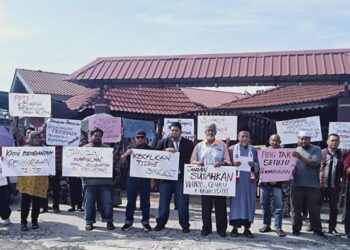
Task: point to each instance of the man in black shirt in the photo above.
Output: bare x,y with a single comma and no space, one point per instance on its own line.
136,185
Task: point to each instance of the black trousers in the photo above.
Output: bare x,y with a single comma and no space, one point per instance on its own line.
55,183
5,210
333,195
25,207
220,212
347,206
312,196
75,192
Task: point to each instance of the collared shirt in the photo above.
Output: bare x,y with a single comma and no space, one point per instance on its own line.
211,153
306,176
331,169
176,143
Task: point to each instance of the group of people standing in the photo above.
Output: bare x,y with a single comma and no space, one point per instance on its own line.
318,174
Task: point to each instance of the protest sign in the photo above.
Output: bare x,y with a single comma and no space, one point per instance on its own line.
208,180
226,126
343,130
111,127
289,129
186,124
154,164
62,132
28,161
276,164
29,105
130,126
3,179
87,162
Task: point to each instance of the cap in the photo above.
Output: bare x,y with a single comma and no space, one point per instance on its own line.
140,132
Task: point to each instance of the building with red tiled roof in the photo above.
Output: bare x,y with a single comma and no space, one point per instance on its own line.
286,98
146,101
263,68
43,82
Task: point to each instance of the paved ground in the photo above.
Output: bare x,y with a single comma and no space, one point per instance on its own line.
66,231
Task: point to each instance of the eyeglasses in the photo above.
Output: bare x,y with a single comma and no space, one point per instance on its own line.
140,137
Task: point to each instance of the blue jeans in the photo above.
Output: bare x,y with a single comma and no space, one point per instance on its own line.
103,194
135,186
166,190
276,192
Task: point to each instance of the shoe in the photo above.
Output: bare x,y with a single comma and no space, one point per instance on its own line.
44,211
56,210
159,227
334,232
147,228
80,209
110,226
248,234
296,232
265,229
71,209
35,225
89,227
319,233
186,230
24,227
280,232
222,234
7,222
205,232
234,232
126,227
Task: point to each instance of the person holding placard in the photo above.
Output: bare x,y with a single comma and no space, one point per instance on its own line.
306,184
273,189
136,185
330,178
98,189
212,152
174,143
33,190
242,209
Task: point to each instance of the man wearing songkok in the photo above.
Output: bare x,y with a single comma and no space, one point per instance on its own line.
242,208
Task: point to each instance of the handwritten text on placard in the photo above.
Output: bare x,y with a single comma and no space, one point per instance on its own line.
154,164
62,132
29,105
208,180
276,164
87,162
28,161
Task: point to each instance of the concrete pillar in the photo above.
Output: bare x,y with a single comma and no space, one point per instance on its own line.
102,105
344,105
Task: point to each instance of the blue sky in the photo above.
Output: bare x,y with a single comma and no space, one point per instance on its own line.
62,36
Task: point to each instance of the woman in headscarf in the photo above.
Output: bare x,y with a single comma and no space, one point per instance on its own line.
33,189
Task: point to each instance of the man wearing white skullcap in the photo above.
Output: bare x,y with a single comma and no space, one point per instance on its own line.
306,183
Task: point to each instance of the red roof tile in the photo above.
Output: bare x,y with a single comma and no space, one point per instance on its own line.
42,82
211,98
235,65
158,101
287,95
